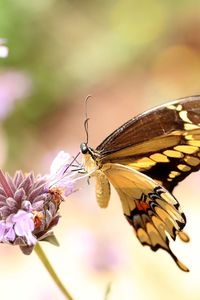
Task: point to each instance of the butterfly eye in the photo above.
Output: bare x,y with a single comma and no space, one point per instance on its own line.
84,148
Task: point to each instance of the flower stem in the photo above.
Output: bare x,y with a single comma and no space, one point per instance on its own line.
51,271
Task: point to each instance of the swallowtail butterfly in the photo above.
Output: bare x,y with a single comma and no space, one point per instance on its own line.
144,160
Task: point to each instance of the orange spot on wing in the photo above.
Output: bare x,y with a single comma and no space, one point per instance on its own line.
143,206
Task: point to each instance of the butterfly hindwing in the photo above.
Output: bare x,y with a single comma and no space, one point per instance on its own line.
152,211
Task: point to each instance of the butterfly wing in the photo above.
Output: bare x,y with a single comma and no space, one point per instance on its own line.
152,211
163,143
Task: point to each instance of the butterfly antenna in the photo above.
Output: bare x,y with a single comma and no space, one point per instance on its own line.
86,118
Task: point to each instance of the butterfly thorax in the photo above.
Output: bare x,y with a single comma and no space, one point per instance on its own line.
89,163
93,168
90,158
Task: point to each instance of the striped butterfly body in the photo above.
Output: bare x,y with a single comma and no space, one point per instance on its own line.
144,160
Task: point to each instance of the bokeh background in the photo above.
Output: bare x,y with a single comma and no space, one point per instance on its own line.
130,56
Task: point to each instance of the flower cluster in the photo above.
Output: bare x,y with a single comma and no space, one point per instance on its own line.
29,204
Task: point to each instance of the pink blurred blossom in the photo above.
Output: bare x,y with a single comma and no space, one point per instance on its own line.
99,252
3,49
14,86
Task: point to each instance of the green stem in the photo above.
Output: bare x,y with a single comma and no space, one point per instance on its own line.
51,271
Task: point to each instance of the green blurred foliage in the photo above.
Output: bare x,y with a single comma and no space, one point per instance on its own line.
68,46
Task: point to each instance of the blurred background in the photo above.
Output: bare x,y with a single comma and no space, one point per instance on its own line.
130,56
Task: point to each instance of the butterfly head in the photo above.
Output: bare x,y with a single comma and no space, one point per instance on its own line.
88,151
89,157
84,148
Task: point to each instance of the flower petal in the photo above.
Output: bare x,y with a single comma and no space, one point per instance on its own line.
24,226
59,163
59,177
2,230
10,235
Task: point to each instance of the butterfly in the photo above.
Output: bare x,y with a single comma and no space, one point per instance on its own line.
144,160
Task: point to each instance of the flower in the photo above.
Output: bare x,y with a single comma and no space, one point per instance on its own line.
28,209
3,49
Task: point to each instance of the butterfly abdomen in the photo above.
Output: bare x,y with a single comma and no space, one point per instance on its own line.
102,189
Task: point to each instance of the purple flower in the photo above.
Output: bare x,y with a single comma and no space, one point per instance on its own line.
3,49
29,204
27,210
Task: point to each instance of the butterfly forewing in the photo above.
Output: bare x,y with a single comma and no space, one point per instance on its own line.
163,143
156,122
